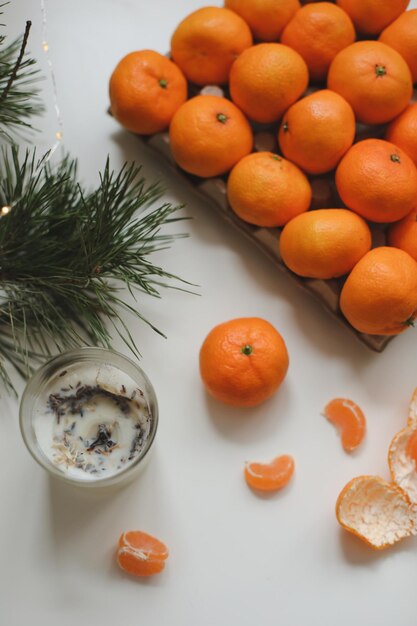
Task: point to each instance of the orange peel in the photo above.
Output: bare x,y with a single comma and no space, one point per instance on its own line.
141,554
349,419
270,476
378,512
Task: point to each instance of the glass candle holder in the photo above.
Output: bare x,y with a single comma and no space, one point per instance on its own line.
89,417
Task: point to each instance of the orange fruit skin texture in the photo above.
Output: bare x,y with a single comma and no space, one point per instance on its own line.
379,296
372,16
349,418
325,243
403,234
377,180
318,32
266,190
141,554
138,100
317,130
403,132
266,18
374,79
270,476
209,135
205,44
402,36
243,361
266,79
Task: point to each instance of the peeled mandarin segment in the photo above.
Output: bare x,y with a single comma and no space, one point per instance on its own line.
402,461
378,512
141,554
270,476
349,419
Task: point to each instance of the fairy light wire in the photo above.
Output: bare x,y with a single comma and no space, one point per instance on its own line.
5,210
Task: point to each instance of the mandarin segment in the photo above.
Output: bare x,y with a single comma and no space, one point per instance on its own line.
206,43
378,512
348,417
146,89
209,135
270,476
267,190
141,554
373,78
266,79
266,18
243,361
318,32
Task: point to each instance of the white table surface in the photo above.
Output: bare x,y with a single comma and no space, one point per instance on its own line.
236,558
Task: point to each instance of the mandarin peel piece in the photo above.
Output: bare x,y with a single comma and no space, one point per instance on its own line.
412,409
402,458
378,512
271,476
349,419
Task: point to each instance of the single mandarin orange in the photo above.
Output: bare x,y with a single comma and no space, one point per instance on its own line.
266,18
403,234
402,36
377,180
325,243
318,32
146,89
209,135
266,79
267,190
205,44
141,554
379,296
348,417
373,78
372,16
403,131
378,512
270,476
317,130
243,361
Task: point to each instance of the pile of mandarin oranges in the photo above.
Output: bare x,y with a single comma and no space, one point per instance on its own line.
334,81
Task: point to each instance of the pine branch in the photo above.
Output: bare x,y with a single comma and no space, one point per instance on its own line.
66,254
19,98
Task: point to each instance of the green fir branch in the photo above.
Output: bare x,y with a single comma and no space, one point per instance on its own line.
66,254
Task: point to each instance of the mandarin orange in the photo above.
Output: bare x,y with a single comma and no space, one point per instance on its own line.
243,361
402,36
266,18
266,79
318,32
403,234
372,16
146,89
206,43
209,135
403,131
373,78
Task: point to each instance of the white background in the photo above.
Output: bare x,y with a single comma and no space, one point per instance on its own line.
236,558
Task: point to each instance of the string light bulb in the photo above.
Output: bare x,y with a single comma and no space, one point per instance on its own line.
5,210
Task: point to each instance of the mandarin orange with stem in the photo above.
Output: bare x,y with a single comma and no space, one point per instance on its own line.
316,131
372,16
146,89
373,78
266,79
243,361
207,42
209,135
318,32
377,180
266,18
267,190
403,131
379,296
